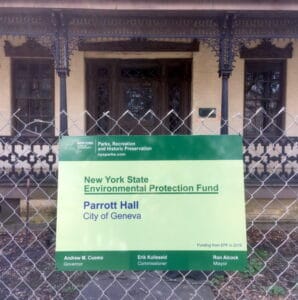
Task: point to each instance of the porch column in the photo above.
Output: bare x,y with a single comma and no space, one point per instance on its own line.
224,124
226,58
61,51
63,103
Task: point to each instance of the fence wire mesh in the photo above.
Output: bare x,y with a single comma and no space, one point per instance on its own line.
28,189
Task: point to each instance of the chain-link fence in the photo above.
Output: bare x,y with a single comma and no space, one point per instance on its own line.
28,189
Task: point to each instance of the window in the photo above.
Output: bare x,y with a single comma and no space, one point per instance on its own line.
138,86
264,88
33,96
264,95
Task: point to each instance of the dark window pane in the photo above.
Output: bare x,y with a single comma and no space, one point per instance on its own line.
275,89
33,95
45,88
21,70
138,100
141,73
263,97
102,72
21,88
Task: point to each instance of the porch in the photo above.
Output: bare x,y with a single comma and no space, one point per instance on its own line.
129,67
268,161
222,41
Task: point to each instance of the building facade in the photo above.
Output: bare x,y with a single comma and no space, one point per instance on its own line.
132,67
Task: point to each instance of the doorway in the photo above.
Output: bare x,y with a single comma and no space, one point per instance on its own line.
137,94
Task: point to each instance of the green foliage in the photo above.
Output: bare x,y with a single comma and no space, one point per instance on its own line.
255,263
277,290
254,266
262,253
217,279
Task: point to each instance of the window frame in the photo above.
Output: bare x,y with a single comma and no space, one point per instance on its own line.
282,98
41,60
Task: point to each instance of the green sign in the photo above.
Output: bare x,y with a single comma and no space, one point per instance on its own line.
151,203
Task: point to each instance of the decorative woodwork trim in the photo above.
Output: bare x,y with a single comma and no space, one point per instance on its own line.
30,48
140,45
267,50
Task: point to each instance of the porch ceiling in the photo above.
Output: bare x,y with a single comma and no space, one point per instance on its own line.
154,5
